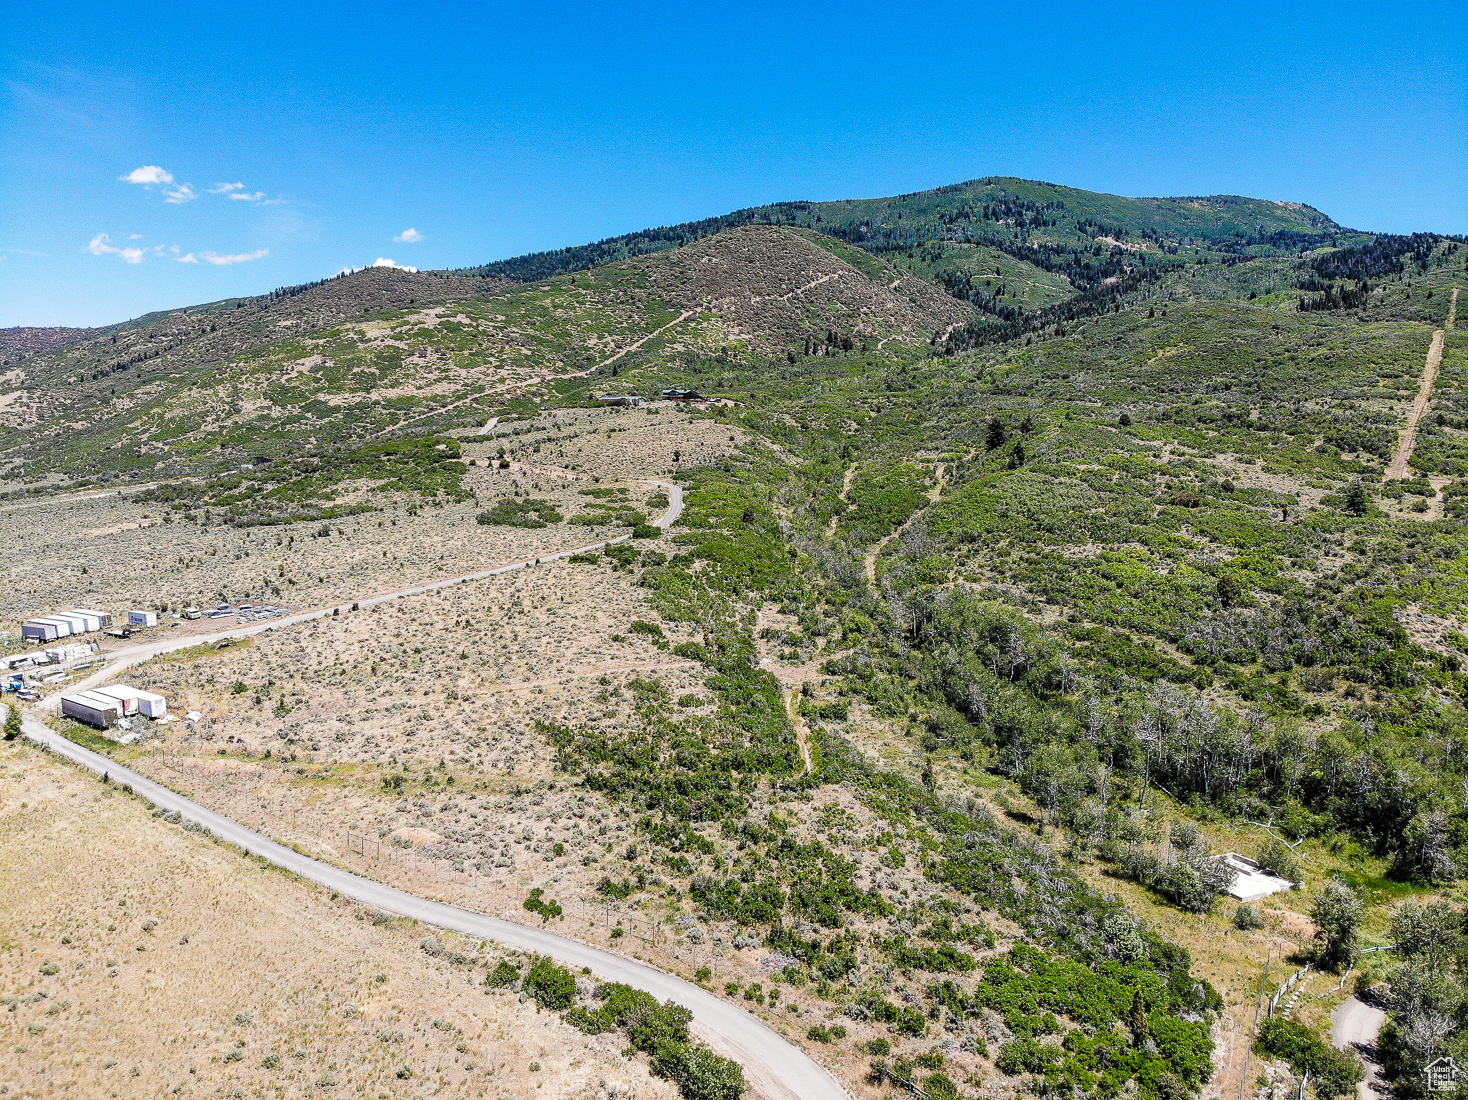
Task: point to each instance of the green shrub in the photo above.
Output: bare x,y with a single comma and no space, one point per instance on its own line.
1026,1056
1247,917
1276,858
536,903
502,975
513,512
661,1031
551,986
1335,1072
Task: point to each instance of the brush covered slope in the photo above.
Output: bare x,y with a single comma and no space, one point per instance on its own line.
987,609
297,383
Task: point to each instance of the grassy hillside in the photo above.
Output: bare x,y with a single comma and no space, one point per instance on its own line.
234,387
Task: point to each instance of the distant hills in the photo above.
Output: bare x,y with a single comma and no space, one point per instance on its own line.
1001,212
381,352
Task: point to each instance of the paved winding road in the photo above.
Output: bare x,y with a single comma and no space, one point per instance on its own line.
1356,1026
775,1068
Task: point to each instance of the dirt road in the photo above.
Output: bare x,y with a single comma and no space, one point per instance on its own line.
1398,469
128,657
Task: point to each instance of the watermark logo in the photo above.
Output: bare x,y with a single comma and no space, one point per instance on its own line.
1442,1075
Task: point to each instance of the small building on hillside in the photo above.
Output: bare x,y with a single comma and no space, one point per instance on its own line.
1252,882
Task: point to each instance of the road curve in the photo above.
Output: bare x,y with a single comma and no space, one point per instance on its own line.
776,1069
125,658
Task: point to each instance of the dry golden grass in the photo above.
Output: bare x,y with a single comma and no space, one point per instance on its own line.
113,554
161,954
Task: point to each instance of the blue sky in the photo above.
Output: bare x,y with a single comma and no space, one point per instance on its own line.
161,155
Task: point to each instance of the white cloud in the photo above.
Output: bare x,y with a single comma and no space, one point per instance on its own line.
408,236
148,175
100,246
237,191
234,258
222,261
383,261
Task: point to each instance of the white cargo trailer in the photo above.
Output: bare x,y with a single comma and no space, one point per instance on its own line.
46,629
104,618
125,695
92,708
142,618
136,701
78,622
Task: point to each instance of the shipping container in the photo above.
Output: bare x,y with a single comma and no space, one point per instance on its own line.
92,708
104,618
142,618
151,705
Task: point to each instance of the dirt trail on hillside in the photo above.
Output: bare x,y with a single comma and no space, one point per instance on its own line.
845,497
1398,470
933,494
687,313
802,731
526,383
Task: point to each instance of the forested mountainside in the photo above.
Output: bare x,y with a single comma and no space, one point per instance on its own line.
1083,500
